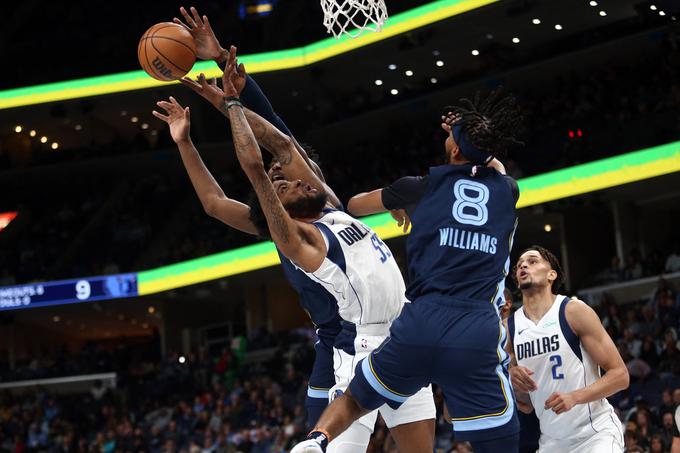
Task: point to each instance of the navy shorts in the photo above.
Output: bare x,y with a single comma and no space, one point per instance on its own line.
321,380
455,344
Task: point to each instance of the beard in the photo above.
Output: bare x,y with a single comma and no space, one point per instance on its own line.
307,207
526,285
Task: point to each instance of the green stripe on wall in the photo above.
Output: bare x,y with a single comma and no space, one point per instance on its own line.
263,62
546,187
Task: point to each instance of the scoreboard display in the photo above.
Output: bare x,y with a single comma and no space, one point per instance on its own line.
33,295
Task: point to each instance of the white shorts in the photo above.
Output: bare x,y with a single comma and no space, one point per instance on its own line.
418,407
608,440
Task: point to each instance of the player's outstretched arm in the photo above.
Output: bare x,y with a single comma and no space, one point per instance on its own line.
298,241
283,147
595,340
214,201
368,203
207,45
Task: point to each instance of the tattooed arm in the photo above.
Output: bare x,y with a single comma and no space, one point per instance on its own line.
299,241
293,158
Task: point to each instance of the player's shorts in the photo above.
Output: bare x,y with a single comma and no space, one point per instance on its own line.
419,407
321,380
608,439
456,344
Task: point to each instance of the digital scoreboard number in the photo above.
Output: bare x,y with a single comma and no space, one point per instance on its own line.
33,295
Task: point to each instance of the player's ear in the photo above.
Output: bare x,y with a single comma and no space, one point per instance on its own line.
552,275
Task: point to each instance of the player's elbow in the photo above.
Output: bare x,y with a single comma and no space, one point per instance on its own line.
284,142
352,205
252,166
624,379
211,207
621,378
356,205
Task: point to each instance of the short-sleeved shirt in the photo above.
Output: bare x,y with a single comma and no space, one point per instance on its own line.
406,192
463,222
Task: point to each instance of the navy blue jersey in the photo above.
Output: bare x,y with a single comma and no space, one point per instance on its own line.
321,307
459,246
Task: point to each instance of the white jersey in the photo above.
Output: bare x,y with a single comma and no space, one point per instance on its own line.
359,271
554,353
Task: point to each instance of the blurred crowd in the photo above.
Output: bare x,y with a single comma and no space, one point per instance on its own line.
637,266
222,401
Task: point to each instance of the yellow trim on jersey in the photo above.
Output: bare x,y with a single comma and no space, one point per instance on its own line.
317,388
370,365
505,274
500,379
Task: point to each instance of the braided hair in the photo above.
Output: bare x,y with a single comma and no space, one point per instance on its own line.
490,124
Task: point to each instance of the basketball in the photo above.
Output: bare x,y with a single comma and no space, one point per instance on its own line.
166,51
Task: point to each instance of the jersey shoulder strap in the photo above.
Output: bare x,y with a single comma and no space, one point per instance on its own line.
511,326
567,331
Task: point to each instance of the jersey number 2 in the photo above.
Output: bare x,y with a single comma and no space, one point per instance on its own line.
470,205
557,362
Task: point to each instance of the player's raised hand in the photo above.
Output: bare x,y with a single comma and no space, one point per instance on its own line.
402,218
521,379
560,402
234,77
207,45
178,118
449,120
208,90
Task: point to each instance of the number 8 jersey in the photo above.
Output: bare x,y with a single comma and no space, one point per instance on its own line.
463,224
553,352
359,271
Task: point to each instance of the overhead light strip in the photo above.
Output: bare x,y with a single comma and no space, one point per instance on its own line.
256,63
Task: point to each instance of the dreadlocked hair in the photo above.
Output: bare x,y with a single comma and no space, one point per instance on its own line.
311,153
490,124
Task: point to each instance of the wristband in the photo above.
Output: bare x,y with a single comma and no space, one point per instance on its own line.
320,436
232,103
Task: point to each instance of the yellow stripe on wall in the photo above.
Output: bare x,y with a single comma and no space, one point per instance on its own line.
209,273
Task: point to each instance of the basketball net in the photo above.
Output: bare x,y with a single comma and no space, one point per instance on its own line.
352,17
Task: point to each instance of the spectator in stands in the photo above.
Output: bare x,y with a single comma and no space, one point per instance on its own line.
612,320
648,326
667,429
632,342
654,264
656,445
631,441
649,353
633,269
670,355
673,260
637,368
612,274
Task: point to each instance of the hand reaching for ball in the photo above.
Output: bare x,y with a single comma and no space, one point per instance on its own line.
207,45
234,77
210,91
178,118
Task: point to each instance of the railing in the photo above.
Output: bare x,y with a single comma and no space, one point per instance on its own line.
67,384
629,291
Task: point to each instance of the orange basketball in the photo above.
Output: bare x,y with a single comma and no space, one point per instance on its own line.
167,51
